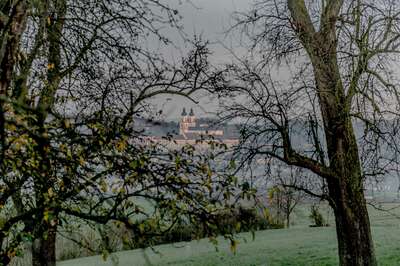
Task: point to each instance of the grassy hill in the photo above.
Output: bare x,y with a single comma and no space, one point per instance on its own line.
299,245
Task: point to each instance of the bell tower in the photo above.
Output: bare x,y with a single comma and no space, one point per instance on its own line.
192,118
183,124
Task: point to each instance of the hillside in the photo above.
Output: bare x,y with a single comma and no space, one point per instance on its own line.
299,245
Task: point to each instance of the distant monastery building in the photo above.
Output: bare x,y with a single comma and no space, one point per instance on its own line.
189,125
191,130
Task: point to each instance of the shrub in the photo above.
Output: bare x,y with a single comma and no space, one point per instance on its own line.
316,217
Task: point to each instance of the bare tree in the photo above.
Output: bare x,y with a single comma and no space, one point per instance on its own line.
335,113
287,191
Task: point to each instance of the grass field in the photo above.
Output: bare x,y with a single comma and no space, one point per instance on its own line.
299,245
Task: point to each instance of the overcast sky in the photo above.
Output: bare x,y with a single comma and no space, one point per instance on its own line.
211,19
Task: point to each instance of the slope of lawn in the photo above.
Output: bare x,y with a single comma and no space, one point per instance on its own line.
299,245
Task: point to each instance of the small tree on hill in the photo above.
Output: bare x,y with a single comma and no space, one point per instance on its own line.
285,195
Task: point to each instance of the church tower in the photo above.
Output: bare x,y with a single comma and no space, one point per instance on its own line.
192,118
187,121
183,125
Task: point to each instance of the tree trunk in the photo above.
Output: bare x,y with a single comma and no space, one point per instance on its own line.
9,41
44,247
355,245
346,191
287,209
287,219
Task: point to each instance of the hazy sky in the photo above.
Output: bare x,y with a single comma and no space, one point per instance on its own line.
211,19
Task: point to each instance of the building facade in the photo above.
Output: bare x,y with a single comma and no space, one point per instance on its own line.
191,130
189,124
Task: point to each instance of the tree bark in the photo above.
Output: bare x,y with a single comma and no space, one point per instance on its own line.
44,247
346,191
355,245
287,219
9,42
11,29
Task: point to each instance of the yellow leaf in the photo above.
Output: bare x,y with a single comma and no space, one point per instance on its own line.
63,147
50,192
238,227
12,127
11,254
141,228
46,215
234,244
81,161
121,145
69,154
103,186
67,123
47,149
104,255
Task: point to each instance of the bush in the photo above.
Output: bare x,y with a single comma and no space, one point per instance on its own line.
227,222
244,220
316,217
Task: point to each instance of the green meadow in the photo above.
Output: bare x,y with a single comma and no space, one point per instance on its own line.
298,245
